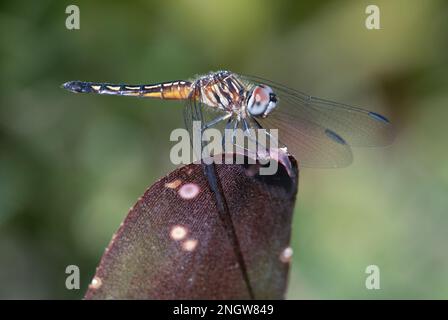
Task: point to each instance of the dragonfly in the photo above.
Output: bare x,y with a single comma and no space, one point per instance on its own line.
317,132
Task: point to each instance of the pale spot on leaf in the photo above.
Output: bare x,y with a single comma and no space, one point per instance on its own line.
189,191
173,185
286,255
190,245
96,283
178,233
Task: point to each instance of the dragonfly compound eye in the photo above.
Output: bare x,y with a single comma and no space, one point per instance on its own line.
262,101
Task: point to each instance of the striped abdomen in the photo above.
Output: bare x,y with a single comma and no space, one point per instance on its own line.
175,90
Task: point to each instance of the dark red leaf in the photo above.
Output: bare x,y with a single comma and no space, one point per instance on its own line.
174,245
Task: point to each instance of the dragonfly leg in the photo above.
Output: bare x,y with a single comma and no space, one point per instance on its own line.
235,127
228,127
261,149
216,120
278,153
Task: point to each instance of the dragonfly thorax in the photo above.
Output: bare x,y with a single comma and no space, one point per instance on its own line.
222,90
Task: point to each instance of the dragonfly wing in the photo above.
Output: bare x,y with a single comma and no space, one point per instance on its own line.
312,145
320,132
358,127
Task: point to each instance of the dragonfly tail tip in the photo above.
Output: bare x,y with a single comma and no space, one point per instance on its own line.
73,86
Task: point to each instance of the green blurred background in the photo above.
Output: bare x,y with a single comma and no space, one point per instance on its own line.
72,165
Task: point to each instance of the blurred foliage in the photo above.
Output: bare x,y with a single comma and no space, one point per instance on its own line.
72,165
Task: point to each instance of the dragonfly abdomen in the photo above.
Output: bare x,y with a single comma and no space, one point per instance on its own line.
173,90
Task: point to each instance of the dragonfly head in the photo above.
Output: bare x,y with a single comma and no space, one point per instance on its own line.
261,101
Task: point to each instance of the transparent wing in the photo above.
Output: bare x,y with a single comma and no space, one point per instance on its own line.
311,144
358,127
320,132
